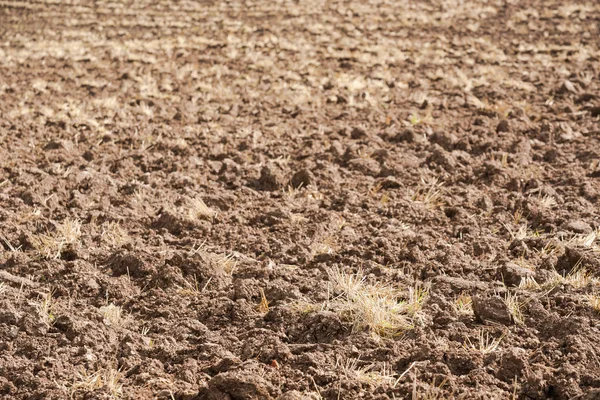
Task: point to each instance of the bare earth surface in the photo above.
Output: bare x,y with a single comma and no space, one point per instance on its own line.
300,199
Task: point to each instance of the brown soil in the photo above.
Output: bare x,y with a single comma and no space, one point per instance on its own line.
299,199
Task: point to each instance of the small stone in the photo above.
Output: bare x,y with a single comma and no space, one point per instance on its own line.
296,395
367,166
10,317
92,284
442,157
88,155
444,283
272,218
89,356
230,166
123,263
238,385
13,332
492,309
551,155
512,274
578,226
408,135
479,121
215,166
567,86
358,133
481,247
585,97
446,140
188,371
390,182
302,178
503,126
381,155
485,203
513,363
270,178
53,145
169,221
29,197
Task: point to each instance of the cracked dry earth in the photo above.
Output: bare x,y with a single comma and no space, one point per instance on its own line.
299,199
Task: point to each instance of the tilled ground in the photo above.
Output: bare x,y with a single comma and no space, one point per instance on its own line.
300,199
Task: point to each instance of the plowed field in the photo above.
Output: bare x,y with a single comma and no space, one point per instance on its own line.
292,200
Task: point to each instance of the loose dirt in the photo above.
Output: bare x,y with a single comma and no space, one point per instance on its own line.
299,199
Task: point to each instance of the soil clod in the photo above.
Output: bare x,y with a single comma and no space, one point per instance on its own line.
503,126
491,309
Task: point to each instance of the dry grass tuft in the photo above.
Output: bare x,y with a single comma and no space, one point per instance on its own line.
529,283
114,235
463,305
594,301
428,193
484,344
263,306
69,230
112,315
586,241
227,262
384,315
47,246
547,202
9,245
107,379
426,119
416,298
515,307
367,374
193,289
377,308
304,307
349,284
148,341
550,248
197,209
432,392
51,245
579,277
328,241
327,245
44,308
518,216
